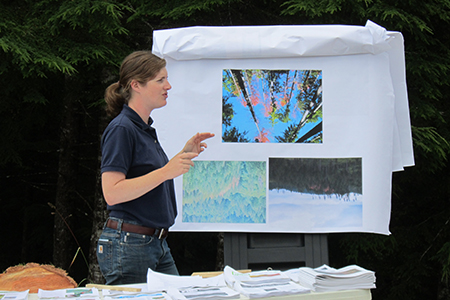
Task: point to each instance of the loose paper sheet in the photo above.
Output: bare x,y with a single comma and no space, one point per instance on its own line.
310,123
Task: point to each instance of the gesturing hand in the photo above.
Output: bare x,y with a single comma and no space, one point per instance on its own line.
195,144
180,164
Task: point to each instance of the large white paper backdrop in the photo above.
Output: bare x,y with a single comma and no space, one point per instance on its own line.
365,108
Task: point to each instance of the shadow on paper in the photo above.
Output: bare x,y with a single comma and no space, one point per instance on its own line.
225,192
272,106
315,193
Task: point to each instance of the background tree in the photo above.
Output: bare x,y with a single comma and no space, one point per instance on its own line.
59,53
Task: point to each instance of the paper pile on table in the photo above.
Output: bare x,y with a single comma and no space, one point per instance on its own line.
210,293
14,295
261,284
190,287
143,294
325,278
80,293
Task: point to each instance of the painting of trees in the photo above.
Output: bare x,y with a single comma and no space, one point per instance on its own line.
225,192
272,106
320,176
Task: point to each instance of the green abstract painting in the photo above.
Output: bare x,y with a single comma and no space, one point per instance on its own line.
225,192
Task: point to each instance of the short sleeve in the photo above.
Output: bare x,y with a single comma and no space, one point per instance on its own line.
117,149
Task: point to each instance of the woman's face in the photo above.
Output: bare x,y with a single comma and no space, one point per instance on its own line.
155,92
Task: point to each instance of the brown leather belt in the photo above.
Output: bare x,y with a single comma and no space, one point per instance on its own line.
162,233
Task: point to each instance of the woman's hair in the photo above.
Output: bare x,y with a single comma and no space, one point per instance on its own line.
139,65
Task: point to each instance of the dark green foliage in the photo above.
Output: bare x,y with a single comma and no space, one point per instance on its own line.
53,67
231,134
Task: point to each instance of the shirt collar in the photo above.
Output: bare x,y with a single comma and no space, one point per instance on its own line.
135,118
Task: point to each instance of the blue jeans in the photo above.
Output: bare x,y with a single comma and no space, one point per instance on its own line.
124,257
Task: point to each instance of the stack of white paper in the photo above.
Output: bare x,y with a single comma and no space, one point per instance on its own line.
326,278
190,287
82,293
157,282
14,295
143,295
210,293
262,283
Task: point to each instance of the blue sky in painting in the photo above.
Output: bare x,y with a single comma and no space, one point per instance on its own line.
243,119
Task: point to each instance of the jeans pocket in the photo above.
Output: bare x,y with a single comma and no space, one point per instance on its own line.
105,254
136,240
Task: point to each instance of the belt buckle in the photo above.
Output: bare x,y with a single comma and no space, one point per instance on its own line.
161,232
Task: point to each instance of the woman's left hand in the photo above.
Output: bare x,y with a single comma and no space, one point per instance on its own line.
195,144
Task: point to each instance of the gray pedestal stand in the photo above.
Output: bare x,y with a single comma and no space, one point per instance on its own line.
280,251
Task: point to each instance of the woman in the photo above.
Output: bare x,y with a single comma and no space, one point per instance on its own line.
137,177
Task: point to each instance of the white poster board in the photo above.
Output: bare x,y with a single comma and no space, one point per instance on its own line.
310,123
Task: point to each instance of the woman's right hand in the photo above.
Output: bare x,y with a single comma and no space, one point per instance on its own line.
179,164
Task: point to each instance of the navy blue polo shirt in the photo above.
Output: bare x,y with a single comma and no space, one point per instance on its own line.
131,146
